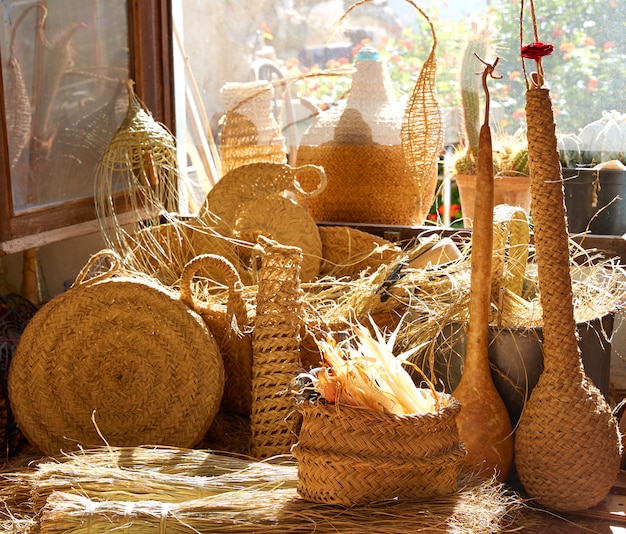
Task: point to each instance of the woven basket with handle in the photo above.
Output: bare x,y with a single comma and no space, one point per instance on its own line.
229,324
116,358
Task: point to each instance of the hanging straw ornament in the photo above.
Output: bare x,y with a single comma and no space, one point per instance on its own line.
484,423
423,130
568,445
137,174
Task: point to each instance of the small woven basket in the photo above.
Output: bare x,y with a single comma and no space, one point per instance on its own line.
349,455
116,358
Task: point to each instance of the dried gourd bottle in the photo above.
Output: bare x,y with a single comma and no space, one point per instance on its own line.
358,143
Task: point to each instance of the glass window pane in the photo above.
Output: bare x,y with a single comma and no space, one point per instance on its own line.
63,63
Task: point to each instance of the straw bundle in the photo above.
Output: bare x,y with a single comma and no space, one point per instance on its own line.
276,348
121,360
163,250
478,511
568,447
104,489
137,173
135,474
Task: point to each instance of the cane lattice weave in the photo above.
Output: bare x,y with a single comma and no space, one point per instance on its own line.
276,348
349,455
116,358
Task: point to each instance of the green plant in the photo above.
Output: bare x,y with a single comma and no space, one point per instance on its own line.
510,152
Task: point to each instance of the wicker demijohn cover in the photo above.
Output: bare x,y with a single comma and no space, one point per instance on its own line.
568,446
116,358
349,455
250,133
380,156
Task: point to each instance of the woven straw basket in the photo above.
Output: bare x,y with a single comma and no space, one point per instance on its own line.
348,455
229,324
116,358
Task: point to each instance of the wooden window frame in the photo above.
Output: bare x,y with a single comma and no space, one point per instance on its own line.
150,61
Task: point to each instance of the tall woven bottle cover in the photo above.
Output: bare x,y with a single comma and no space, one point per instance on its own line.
568,447
276,349
250,133
116,359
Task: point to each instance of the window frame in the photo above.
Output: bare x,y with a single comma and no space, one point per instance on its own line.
150,63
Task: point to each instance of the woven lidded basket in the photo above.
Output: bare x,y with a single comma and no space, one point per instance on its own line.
118,358
349,455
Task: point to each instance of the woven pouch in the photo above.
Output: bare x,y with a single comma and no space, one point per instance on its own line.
118,358
229,323
349,455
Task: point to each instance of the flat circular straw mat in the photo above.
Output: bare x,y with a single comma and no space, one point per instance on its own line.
123,353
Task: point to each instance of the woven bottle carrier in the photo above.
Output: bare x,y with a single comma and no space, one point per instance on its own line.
119,358
568,446
380,157
276,348
250,132
349,455
229,324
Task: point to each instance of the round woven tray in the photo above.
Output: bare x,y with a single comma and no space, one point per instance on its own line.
348,455
117,359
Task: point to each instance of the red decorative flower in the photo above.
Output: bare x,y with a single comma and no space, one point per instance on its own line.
536,50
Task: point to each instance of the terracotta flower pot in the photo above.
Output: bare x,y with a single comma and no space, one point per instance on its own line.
511,190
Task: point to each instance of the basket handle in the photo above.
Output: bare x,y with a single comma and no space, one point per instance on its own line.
115,266
320,186
235,307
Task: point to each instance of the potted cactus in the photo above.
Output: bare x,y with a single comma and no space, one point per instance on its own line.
594,172
510,153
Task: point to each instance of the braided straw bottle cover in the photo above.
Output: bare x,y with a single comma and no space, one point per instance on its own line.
568,447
